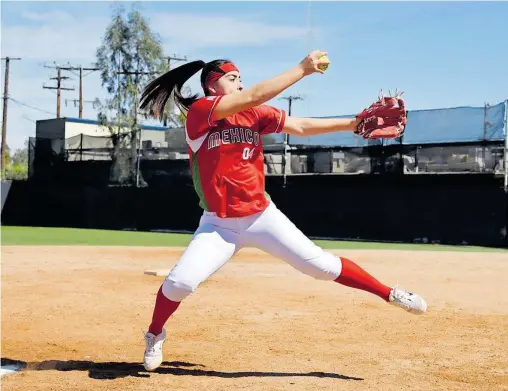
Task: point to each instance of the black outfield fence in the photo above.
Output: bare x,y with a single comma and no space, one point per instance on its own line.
441,208
444,181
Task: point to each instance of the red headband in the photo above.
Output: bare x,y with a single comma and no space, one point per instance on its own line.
213,76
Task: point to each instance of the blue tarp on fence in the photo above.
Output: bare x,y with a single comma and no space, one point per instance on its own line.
451,125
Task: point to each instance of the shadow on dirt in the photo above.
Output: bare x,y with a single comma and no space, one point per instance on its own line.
115,370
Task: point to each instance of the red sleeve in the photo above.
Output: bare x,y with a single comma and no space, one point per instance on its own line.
271,119
200,116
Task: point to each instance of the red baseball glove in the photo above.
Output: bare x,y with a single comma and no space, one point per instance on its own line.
385,118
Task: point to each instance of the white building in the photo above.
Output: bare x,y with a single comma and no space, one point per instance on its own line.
86,139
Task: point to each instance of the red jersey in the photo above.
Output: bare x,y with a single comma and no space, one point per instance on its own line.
226,156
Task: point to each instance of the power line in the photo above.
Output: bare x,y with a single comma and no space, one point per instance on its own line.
174,58
30,107
29,119
290,100
76,101
86,74
4,123
80,69
310,32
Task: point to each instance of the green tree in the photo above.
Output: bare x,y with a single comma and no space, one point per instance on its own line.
129,56
16,164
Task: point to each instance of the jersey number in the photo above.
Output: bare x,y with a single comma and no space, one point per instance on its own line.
247,153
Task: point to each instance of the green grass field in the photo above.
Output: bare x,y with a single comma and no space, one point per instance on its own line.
29,236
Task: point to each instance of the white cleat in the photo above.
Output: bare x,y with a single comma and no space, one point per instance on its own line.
153,350
409,301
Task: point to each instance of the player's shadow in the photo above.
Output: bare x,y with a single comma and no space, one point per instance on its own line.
115,370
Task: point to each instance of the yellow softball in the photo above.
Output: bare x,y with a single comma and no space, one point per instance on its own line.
324,67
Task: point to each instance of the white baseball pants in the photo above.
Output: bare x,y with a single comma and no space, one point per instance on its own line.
217,239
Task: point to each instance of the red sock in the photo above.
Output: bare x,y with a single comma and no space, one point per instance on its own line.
164,308
354,276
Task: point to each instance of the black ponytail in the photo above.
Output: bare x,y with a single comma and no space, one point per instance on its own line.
157,92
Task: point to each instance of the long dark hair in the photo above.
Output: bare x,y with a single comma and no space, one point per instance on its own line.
156,94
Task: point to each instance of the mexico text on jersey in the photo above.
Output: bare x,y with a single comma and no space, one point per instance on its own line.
226,156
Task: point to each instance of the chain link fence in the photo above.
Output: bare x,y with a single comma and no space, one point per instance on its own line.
106,160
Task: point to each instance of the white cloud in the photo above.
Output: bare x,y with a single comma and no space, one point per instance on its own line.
53,16
61,37
197,31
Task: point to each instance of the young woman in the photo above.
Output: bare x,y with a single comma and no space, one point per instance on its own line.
223,131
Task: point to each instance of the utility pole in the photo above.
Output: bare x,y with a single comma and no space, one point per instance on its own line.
171,102
174,58
59,88
290,100
4,120
80,69
138,146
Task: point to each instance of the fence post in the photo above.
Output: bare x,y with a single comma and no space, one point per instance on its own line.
138,153
416,159
30,157
401,156
505,159
484,154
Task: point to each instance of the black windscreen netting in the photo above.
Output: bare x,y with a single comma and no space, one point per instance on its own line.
122,161
452,158
458,158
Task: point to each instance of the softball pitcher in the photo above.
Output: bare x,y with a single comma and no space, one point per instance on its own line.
224,130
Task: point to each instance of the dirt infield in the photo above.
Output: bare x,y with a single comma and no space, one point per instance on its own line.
74,316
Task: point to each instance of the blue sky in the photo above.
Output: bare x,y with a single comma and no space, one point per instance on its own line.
442,54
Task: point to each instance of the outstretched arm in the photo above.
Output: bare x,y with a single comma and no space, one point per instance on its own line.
312,126
264,91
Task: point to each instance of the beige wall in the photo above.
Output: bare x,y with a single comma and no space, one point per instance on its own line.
75,128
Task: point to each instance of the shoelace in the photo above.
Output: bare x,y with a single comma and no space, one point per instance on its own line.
150,342
404,297
401,296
